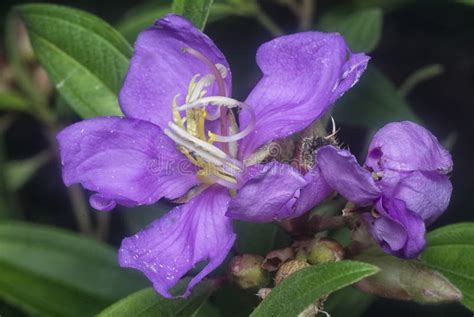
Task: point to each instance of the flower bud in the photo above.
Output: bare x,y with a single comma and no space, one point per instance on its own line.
289,268
246,270
406,280
274,259
324,250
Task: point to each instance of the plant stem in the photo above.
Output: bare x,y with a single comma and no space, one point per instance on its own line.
268,23
103,224
307,11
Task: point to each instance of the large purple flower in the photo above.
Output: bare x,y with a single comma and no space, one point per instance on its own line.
179,137
404,179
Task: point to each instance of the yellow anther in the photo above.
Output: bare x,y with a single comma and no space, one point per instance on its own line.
212,137
176,115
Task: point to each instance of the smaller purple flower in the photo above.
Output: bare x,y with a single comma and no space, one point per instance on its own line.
404,179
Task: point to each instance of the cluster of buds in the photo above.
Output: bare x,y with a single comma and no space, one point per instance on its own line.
254,272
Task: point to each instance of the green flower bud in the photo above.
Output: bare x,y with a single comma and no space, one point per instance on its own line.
406,280
247,272
324,250
289,268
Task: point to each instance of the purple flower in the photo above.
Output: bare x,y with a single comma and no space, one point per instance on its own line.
179,137
404,179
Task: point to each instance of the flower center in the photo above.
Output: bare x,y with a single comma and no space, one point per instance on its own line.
188,128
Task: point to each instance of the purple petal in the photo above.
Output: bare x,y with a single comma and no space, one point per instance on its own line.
316,190
159,69
342,172
172,245
399,231
125,161
267,193
303,74
425,193
406,146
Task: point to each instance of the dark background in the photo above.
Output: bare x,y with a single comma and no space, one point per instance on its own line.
414,35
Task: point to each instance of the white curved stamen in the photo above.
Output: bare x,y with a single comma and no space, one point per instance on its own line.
207,151
228,103
216,72
222,182
205,81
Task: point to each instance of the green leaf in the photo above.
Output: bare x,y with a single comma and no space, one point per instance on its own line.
373,102
85,58
139,19
148,303
361,29
12,101
348,302
197,11
53,272
17,173
451,251
258,238
142,17
303,288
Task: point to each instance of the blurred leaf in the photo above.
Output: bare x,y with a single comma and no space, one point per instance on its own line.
451,251
373,102
139,19
348,302
12,101
386,5
84,57
143,16
197,11
148,303
17,173
18,65
467,2
257,238
207,310
361,29
302,288
137,218
53,272
232,301
424,73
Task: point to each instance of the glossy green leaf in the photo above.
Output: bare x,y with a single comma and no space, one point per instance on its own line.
12,101
361,29
197,11
84,57
148,303
451,251
53,272
17,173
301,289
372,102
